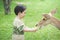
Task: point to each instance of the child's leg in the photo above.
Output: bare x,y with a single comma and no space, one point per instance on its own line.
17,37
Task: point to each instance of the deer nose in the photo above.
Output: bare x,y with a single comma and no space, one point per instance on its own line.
36,25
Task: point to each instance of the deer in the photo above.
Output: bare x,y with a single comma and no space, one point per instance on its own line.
49,19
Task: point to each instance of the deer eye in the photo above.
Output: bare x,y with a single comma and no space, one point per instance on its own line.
44,19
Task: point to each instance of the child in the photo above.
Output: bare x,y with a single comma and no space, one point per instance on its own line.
19,27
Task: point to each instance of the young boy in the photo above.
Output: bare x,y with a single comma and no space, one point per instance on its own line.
19,27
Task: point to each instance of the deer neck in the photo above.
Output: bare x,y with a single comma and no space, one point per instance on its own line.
55,22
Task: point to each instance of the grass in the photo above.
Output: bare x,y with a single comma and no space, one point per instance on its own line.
35,9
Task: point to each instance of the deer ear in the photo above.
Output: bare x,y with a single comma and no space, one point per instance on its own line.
46,16
53,11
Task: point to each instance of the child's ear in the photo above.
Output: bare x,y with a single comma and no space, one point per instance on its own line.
19,13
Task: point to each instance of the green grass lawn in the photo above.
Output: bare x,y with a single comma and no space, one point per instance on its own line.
35,9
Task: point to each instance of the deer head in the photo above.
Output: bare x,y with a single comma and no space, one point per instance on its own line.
46,18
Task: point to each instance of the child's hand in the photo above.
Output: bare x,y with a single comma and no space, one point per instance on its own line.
36,28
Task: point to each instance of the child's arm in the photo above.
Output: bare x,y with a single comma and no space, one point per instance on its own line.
26,29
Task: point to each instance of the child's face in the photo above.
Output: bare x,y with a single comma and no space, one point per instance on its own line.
21,15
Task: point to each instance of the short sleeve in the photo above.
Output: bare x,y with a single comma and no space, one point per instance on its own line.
20,25
21,28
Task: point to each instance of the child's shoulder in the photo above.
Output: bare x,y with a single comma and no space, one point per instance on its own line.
17,20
